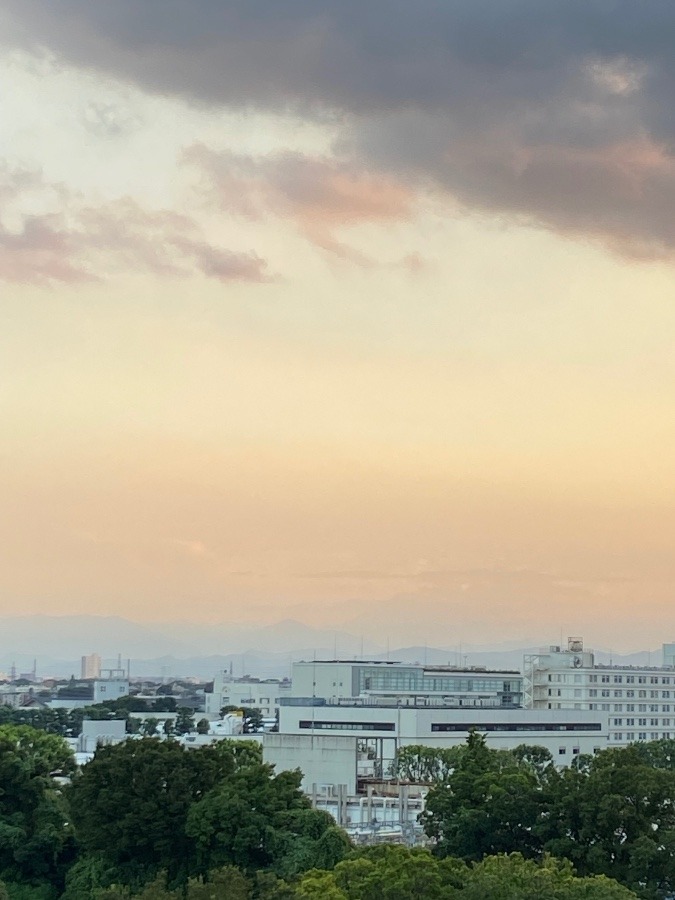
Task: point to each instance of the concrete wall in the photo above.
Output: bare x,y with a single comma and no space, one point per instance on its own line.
325,760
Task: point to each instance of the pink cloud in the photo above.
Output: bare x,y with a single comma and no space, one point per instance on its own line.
320,195
74,243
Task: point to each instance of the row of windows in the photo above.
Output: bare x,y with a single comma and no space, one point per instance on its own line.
642,736
631,707
391,680
347,726
518,726
579,678
642,721
631,679
665,695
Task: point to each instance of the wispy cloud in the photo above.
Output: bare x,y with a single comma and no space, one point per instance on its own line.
320,195
48,235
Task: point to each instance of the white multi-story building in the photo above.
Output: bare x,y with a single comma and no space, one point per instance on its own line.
636,702
91,666
253,693
565,733
407,684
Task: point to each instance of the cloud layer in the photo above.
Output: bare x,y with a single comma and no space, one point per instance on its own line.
555,114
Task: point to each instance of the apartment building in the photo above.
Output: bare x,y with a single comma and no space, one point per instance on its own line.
636,702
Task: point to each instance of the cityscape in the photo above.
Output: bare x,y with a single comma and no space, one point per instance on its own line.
337,484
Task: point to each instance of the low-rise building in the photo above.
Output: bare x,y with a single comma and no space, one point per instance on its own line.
252,693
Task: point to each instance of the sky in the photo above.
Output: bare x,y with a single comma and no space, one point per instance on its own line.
356,314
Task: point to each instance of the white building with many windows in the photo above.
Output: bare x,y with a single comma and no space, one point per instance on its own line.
637,702
253,693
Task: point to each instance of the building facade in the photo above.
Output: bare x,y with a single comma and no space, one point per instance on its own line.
407,684
636,702
253,693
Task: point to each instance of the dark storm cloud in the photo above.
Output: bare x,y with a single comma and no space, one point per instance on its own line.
559,113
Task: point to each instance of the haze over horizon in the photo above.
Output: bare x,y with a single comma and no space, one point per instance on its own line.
359,315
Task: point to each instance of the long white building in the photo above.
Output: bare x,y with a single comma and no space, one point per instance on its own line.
407,683
637,703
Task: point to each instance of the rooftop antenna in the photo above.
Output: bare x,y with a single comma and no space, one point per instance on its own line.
34,669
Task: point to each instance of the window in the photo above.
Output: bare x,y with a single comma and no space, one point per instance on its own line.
665,680
666,722
653,680
618,707
618,736
604,679
653,707
593,692
349,726
642,722
618,693
630,679
642,679
604,693
642,735
562,751
630,721
653,693
666,735
665,707
604,706
642,693
665,695
593,679
630,693
642,707
618,721
654,735
618,679
575,750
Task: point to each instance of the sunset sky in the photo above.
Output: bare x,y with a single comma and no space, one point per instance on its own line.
356,313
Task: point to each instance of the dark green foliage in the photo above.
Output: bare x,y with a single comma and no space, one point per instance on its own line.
35,838
131,803
185,720
258,820
490,803
424,764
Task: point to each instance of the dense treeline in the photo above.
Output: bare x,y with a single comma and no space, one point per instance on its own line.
148,818
68,722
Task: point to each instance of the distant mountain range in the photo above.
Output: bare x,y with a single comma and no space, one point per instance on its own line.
169,649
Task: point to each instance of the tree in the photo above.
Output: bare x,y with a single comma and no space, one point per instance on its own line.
515,878
35,838
168,727
149,726
227,882
425,764
613,814
258,820
203,726
185,720
130,804
489,803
